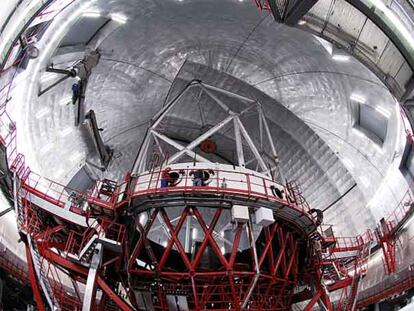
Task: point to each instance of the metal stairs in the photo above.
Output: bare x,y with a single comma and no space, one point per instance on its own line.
87,251
41,275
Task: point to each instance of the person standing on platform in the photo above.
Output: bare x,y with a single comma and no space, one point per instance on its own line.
165,177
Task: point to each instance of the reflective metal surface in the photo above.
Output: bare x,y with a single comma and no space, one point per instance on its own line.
231,45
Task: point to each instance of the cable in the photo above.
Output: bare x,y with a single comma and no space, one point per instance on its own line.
129,129
320,72
136,66
355,148
340,198
245,41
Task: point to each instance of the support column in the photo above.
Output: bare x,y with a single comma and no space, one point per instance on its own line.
33,280
90,289
188,240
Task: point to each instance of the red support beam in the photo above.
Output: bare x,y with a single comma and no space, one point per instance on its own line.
137,249
33,281
313,301
174,240
208,238
110,293
235,247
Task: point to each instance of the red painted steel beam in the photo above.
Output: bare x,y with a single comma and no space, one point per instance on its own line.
139,245
57,259
313,301
340,284
33,281
111,294
326,300
281,252
174,239
208,238
306,294
236,243
268,246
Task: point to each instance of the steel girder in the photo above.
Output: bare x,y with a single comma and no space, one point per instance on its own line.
235,281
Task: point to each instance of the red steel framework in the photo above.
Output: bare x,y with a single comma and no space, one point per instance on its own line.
227,287
267,278
263,285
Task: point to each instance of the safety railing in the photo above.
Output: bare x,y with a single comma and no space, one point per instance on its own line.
77,241
103,194
113,231
11,263
32,223
74,242
122,193
263,4
401,210
401,281
53,192
350,244
347,244
101,228
62,294
218,181
42,187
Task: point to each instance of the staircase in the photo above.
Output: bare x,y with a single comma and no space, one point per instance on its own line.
84,254
43,279
350,292
80,247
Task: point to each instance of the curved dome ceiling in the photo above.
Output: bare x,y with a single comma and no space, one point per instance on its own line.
232,45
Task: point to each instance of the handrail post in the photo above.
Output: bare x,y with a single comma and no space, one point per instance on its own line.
218,179
248,184
186,174
265,188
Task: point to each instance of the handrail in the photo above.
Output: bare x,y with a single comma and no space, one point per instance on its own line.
247,182
102,228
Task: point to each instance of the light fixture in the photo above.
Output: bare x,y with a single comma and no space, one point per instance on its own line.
46,148
301,22
394,20
47,77
359,133
42,112
348,163
340,57
365,181
383,111
143,218
59,172
358,98
326,44
65,100
377,147
119,18
91,14
66,132
76,157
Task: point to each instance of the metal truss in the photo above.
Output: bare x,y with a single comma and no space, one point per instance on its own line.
55,272
287,11
386,238
267,164
261,279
